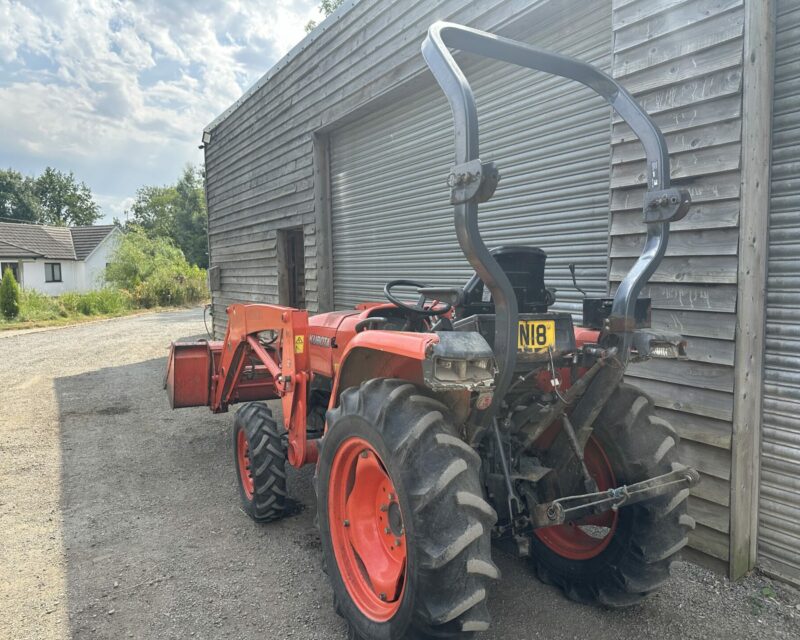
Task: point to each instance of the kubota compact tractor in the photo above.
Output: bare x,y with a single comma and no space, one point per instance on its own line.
472,416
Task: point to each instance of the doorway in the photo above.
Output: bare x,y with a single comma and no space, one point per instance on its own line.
291,269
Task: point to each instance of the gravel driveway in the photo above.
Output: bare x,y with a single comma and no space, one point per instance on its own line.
120,519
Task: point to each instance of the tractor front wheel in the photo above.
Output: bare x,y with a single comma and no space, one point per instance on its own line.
617,558
405,529
260,459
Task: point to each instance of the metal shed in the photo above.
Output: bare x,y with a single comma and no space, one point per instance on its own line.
327,178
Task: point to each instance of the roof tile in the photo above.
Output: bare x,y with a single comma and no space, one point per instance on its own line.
85,239
55,243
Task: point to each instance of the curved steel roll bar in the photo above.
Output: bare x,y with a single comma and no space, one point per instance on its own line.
472,182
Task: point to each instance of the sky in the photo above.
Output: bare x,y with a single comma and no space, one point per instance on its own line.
119,92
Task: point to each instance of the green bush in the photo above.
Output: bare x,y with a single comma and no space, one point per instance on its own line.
155,273
9,295
35,306
93,303
38,307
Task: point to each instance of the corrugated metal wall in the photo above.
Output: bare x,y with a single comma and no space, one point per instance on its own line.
682,60
779,504
389,201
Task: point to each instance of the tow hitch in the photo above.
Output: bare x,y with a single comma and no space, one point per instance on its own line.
559,511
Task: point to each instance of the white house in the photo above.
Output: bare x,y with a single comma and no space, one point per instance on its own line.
55,260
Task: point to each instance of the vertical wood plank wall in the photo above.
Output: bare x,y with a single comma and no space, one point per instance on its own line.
683,61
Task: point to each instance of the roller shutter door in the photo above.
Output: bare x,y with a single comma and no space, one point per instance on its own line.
779,516
550,138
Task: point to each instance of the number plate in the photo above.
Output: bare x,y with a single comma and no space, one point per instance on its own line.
537,335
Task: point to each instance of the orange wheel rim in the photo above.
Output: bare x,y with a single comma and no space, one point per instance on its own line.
243,460
367,530
588,537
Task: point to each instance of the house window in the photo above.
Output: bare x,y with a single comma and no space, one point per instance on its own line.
52,272
14,266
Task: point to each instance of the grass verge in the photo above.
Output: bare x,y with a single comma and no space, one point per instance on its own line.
39,310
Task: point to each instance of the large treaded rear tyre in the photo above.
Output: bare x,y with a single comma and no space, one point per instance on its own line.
646,536
260,459
446,521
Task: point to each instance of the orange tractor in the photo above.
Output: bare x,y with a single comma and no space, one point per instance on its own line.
471,416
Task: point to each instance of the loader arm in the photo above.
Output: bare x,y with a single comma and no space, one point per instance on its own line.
290,371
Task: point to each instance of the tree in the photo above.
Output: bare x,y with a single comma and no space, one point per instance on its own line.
53,197
9,295
153,211
138,256
175,212
327,7
191,217
64,200
154,271
17,198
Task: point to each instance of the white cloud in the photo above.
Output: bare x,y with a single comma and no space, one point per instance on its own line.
21,26
120,91
113,206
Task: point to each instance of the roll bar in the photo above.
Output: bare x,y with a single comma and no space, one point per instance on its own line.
472,181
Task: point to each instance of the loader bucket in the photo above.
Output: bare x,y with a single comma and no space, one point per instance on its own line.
188,379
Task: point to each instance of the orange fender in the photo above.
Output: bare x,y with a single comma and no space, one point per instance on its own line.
382,354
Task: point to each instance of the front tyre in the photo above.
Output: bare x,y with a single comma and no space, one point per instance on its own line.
260,459
405,529
618,558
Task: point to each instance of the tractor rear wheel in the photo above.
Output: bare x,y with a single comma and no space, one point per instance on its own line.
405,528
618,558
260,458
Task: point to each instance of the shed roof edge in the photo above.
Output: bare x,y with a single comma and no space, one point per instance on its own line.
301,46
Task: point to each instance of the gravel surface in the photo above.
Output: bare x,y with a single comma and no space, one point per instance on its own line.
120,519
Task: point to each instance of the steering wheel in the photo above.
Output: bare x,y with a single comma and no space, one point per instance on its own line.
439,309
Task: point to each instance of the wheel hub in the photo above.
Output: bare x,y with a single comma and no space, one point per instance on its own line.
588,537
367,530
395,519
243,460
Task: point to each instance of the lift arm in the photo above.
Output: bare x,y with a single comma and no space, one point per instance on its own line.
289,371
242,367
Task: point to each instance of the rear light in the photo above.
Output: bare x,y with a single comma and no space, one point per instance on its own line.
665,346
459,369
670,350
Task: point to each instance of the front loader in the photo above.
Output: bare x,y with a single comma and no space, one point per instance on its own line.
473,416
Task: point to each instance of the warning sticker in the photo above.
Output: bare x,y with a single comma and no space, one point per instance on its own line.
299,344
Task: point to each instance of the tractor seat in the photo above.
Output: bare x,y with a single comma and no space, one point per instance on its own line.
524,267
